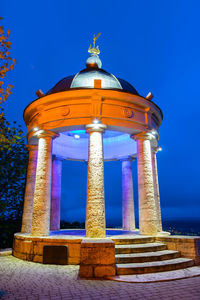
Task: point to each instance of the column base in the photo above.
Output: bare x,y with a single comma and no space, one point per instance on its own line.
97,258
129,229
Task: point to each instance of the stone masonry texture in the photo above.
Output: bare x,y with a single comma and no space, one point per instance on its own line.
97,258
147,208
156,190
95,213
29,190
41,205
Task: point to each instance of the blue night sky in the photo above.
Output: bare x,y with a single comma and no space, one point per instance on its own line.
154,45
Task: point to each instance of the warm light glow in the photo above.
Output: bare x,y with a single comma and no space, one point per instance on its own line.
96,121
152,136
39,132
153,131
159,148
97,126
36,129
77,136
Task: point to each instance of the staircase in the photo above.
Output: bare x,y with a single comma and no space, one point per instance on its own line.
140,255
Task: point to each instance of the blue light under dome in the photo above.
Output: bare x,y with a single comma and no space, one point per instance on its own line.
73,145
84,134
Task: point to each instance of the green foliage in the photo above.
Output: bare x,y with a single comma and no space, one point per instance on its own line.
13,163
13,155
6,63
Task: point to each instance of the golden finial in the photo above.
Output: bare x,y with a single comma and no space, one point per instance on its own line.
94,50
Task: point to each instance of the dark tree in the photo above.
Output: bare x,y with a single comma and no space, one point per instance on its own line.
13,162
13,155
6,63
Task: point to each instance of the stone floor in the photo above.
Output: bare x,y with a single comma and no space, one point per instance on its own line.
26,280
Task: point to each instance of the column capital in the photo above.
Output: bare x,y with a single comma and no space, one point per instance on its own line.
32,147
142,136
95,127
46,133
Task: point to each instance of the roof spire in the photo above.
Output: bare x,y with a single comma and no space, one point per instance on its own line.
94,50
94,61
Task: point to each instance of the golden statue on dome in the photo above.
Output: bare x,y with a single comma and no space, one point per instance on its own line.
94,50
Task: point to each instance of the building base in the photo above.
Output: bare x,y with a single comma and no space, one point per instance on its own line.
97,258
31,248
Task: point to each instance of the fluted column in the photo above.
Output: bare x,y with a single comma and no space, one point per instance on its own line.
55,193
29,190
42,195
127,195
156,188
95,211
147,208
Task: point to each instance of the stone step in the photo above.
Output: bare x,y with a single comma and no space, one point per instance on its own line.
139,248
133,240
155,266
146,257
159,276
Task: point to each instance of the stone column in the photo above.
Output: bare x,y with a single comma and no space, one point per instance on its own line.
55,193
29,190
156,188
95,212
127,195
147,208
42,195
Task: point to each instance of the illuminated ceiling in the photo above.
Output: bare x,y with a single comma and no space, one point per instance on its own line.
74,145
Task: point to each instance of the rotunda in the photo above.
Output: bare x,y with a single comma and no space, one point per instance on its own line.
92,116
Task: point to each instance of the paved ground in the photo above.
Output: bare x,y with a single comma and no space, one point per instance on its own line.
26,280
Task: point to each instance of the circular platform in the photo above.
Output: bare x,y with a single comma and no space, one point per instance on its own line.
30,248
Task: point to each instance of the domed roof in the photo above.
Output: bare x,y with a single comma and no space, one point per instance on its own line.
85,79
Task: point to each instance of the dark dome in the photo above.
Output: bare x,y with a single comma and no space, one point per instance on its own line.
85,80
